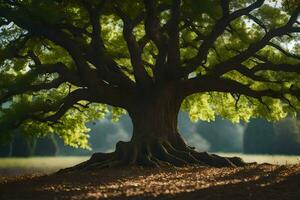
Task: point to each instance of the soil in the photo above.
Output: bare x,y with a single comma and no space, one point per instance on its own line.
263,181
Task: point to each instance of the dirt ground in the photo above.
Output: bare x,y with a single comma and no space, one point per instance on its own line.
253,182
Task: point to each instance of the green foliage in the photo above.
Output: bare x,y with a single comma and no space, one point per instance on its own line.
117,113
19,71
72,127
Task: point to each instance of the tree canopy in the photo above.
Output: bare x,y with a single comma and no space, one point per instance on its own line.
62,63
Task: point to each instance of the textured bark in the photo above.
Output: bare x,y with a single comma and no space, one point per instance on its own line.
156,141
154,115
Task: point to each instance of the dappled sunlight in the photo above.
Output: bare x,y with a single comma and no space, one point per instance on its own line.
71,68
178,183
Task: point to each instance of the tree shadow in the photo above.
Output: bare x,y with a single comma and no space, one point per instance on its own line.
66,186
274,184
267,186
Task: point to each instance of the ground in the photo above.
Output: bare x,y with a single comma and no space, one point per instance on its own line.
263,181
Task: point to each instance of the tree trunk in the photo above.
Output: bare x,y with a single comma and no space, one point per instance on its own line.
154,118
155,141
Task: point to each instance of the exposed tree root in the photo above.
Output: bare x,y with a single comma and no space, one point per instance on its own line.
155,154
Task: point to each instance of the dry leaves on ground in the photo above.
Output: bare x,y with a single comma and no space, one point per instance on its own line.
252,182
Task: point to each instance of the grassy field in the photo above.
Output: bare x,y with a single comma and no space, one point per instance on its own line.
272,159
39,165
36,165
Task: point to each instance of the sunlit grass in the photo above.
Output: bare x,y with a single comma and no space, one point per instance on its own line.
35,165
272,159
40,162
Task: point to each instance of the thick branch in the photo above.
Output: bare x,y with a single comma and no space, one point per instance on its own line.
258,22
225,7
211,84
276,67
155,33
140,73
45,30
25,82
189,24
288,54
108,70
255,47
30,88
77,52
217,31
173,61
94,14
152,24
68,102
251,74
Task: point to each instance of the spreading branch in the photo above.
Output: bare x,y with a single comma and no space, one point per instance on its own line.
228,65
68,102
211,84
135,50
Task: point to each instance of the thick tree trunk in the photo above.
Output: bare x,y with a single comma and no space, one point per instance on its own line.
155,141
155,119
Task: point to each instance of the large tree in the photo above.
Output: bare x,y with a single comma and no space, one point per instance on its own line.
63,61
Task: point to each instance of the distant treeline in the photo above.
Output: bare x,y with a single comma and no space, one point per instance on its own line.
272,138
256,137
50,145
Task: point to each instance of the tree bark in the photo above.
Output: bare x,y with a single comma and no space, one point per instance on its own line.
154,117
155,141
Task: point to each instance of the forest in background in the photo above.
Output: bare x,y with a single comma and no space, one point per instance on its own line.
256,137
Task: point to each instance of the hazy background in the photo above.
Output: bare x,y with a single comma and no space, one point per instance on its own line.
256,137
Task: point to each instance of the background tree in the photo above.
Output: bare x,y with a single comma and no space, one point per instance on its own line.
262,137
64,61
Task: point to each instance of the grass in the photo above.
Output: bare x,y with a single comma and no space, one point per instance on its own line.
272,159
36,165
41,165
40,162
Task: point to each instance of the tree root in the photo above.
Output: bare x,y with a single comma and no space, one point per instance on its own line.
155,154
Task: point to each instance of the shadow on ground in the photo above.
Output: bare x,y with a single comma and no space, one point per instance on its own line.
264,188
252,182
